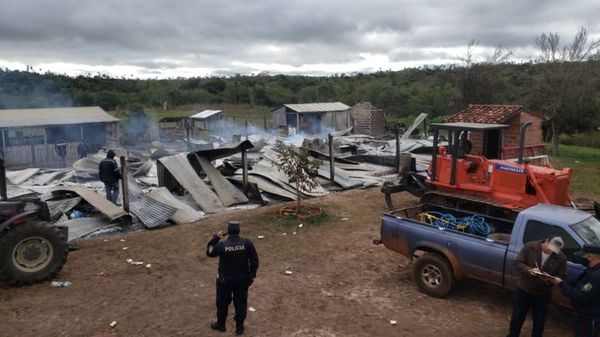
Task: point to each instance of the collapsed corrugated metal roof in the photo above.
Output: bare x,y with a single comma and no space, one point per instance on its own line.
98,201
205,114
54,116
317,107
184,213
228,194
223,151
181,169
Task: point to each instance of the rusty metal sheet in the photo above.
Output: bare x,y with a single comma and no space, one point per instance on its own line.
181,169
98,201
228,194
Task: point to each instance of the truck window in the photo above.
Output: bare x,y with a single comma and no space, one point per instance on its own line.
589,231
536,230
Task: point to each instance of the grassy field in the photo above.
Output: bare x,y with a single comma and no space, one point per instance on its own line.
240,113
585,162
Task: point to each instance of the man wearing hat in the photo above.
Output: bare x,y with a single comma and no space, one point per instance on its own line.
534,291
238,263
584,293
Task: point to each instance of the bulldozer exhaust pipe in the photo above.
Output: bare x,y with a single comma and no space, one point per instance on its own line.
522,130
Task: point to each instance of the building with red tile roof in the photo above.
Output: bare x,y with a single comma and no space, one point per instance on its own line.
512,115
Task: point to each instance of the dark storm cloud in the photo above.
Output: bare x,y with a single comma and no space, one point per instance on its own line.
231,36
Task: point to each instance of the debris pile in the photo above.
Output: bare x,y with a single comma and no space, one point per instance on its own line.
166,186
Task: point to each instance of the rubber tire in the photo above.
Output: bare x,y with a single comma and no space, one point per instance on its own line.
15,234
447,275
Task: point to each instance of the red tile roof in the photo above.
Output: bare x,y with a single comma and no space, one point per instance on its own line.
490,114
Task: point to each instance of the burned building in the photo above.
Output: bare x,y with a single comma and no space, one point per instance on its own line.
36,136
504,142
313,118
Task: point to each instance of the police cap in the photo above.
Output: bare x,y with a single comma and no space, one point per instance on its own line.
233,227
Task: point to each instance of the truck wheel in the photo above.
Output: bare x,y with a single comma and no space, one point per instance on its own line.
433,275
32,252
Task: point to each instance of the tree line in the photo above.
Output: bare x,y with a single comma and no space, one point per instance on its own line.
563,83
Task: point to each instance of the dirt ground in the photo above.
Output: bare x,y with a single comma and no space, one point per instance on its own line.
342,284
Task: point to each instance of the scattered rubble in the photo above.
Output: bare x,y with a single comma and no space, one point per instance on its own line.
167,186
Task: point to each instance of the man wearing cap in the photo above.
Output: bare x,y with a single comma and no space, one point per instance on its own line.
533,290
238,263
584,293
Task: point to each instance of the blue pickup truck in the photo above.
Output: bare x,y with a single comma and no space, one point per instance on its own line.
445,254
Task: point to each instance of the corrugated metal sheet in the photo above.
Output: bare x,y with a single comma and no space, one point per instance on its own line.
151,212
341,177
181,169
266,185
184,213
20,176
57,207
317,107
223,151
98,201
269,170
205,114
54,116
81,227
228,194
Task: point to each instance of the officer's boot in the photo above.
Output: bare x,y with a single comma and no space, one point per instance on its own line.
218,325
239,327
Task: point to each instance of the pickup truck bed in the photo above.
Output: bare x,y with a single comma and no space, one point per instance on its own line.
444,254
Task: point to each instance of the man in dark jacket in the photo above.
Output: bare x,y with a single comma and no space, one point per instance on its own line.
110,175
534,288
584,293
238,263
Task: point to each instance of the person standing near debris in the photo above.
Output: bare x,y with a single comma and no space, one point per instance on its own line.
536,260
238,263
584,293
110,175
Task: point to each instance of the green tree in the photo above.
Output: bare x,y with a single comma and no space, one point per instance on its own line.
299,167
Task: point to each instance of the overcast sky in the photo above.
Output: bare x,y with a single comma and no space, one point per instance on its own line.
160,38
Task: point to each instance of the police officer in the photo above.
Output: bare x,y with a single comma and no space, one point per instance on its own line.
584,293
238,263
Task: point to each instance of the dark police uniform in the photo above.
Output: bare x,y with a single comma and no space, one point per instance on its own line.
238,263
584,292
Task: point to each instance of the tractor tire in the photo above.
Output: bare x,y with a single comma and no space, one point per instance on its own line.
32,252
433,274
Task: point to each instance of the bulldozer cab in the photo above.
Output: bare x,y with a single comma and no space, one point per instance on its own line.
461,137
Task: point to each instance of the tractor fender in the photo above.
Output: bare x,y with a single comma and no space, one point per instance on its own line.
14,218
433,248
